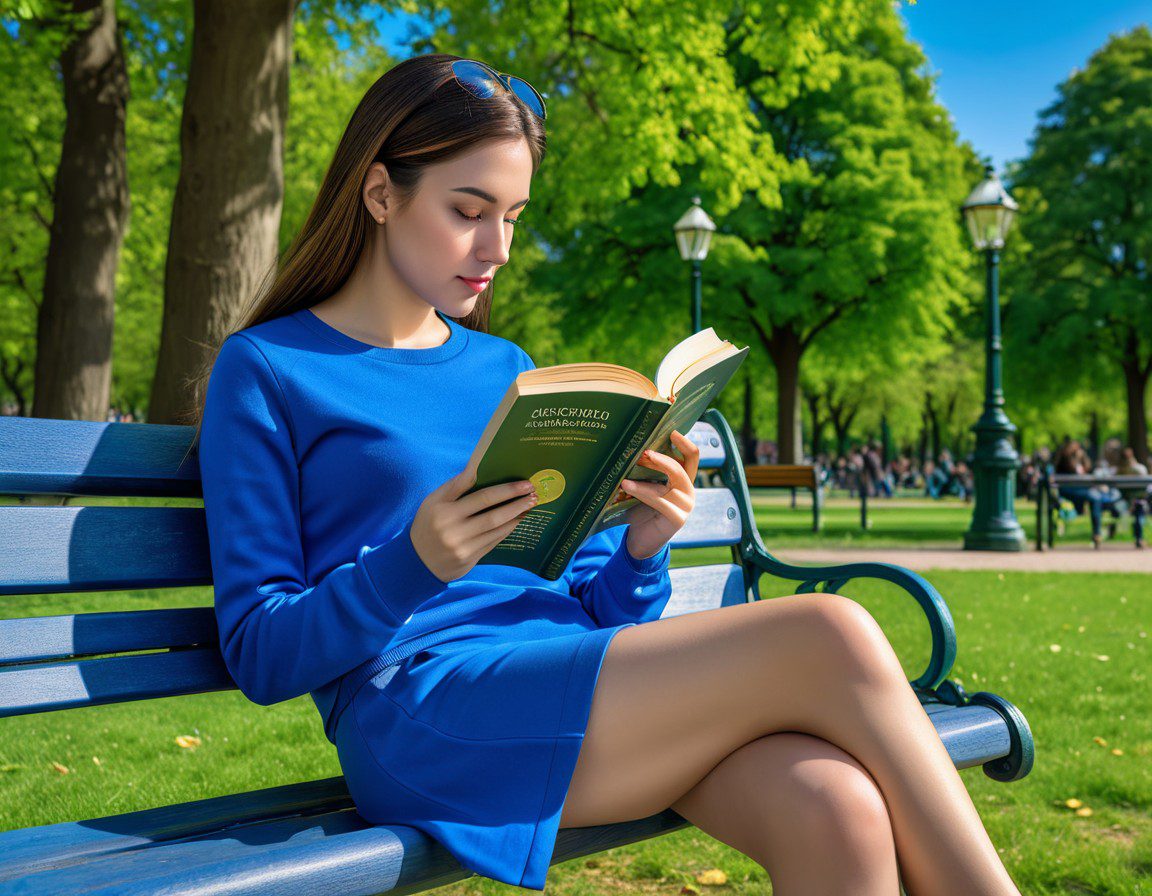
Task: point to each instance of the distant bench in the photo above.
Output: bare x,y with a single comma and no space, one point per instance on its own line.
1048,497
809,476
791,476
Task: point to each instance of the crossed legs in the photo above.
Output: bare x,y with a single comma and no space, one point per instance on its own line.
797,705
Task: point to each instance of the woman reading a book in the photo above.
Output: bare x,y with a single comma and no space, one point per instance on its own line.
481,703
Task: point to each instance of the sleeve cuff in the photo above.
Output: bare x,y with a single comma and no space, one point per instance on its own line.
399,576
653,565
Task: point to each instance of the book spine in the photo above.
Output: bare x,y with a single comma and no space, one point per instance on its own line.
603,487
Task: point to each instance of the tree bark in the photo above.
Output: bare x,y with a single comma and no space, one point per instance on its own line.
813,400
785,351
226,214
748,432
90,209
1136,391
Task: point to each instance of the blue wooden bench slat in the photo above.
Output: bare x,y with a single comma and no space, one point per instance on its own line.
89,457
307,837
43,687
50,550
42,638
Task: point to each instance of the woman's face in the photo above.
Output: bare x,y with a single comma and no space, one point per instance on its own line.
459,224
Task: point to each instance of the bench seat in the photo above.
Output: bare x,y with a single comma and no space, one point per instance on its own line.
308,838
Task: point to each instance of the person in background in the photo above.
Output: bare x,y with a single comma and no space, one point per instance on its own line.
1142,500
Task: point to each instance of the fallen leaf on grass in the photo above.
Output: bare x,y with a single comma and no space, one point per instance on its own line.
1073,803
1100,741
712,877
1084,811
1055,648
63,769
1117,752
188,741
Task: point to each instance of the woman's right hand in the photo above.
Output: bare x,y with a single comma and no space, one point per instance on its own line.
452,531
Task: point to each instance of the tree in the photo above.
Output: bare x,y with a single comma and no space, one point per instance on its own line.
89,215
226,215
1086,213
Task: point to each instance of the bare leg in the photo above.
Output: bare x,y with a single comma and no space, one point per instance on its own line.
677,695
808,812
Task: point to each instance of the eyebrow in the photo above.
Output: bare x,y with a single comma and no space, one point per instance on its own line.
487,197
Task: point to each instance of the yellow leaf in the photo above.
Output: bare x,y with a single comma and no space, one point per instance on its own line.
1100,741
96,759
1055,648
1103,657
63,769
1073,803
712,877
1117,752
188,741
1084,811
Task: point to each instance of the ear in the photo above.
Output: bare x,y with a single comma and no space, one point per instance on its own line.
375,191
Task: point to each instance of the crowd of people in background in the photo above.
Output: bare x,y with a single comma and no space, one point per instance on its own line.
863,468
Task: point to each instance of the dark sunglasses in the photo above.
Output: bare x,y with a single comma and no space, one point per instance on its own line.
484,81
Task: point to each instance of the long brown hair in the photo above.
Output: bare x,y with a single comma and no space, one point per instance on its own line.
416,114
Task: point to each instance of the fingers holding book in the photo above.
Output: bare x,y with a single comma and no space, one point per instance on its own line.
666,506
452,531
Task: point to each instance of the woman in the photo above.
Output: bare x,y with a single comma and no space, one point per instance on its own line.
479,703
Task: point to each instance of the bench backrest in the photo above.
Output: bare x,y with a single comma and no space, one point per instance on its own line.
781,475
60,662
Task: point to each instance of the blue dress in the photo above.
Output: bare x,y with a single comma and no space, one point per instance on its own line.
456,708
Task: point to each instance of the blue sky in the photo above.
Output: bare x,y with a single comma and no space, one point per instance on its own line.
997,64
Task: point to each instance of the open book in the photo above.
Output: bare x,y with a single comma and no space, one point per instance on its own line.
577,430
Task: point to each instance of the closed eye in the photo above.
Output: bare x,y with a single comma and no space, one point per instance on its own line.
478,217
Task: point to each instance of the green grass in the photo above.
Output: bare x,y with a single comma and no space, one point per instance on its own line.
895,523
1006,624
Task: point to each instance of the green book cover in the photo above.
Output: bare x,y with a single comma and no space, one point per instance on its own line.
577,430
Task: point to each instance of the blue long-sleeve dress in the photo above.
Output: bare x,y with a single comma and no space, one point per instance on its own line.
457,708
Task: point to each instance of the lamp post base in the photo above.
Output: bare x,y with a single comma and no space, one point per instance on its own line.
994,525
1001,540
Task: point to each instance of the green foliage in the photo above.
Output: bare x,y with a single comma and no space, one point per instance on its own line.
1080,305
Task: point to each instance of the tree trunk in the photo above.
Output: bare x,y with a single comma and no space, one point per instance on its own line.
1136,390
748,432
226,213
812,399
90,208
785,352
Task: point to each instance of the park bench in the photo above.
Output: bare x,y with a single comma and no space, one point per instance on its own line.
1048,497
307,837
790,476
809,476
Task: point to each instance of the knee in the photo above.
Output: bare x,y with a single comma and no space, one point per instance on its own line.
855,639
837,802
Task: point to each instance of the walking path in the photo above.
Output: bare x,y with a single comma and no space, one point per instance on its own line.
1066,558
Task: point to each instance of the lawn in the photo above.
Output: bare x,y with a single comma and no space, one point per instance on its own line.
1070,650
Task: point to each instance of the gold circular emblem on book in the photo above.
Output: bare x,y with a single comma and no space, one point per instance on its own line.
549,485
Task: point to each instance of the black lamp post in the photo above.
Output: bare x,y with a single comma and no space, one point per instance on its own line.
988,212
693,234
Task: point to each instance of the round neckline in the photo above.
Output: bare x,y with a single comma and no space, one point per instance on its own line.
457,339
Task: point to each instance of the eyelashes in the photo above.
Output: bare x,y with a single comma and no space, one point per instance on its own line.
477,217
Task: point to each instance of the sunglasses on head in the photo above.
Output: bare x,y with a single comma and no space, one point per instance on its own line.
483,81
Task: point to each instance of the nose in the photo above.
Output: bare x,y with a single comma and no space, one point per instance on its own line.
495,242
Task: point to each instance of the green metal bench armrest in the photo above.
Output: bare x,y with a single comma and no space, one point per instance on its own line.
755,555
835,577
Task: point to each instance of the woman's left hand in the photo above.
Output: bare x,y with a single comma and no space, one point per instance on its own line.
663,509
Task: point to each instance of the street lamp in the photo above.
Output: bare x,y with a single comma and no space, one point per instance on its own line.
693,234
988,211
